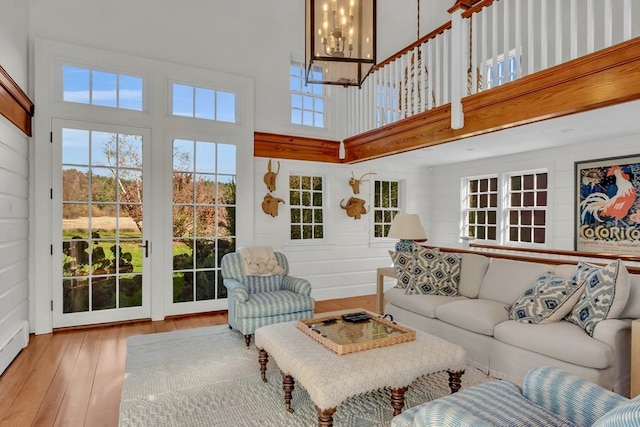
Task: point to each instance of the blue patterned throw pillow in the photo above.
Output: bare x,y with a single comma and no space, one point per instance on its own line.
403,268
605,294
550,299
436,273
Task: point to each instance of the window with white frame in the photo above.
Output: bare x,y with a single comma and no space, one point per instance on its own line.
516,199
386,204
203,103
306,202
307,100
502,71
481,208
527,208
102,88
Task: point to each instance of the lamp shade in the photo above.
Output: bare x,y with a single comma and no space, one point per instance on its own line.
407,227
340,41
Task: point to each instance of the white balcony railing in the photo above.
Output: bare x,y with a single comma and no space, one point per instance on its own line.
494,42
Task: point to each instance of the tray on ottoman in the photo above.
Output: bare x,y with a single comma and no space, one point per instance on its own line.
363,330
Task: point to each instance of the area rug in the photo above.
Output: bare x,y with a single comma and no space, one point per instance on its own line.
207,377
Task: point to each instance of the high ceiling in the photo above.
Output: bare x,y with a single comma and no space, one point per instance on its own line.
597,125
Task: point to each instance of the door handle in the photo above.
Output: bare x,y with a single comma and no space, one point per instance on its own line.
146,248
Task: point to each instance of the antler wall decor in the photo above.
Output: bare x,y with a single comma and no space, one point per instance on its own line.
355,182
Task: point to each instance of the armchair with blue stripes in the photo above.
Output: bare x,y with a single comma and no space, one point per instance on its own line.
256,301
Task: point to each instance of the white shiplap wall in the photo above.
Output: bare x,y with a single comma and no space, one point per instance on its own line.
14,193
344,265
446,185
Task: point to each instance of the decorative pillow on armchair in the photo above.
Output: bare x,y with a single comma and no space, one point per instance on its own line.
550,299
436,273
605,294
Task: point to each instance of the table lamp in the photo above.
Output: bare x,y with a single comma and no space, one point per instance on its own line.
407,228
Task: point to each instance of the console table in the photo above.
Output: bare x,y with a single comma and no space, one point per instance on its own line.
382,272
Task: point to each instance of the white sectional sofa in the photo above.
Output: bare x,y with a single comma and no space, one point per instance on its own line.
478,318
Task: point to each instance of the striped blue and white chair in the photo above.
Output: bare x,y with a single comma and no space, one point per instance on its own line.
256,301
549,397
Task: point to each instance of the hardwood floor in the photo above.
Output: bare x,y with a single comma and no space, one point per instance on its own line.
74,377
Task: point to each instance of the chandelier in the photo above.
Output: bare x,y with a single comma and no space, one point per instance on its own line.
340,41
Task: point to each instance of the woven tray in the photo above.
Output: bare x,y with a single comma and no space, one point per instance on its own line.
344,337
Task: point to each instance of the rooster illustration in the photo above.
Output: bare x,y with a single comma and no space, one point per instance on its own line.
616,207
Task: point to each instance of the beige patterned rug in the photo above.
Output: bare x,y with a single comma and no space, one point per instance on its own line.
207,377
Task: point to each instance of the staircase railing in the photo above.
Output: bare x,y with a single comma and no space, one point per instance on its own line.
487,45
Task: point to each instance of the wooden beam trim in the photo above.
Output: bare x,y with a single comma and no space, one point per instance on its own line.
15,105
295,147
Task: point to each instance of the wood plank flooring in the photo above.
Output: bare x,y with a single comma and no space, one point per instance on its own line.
74,377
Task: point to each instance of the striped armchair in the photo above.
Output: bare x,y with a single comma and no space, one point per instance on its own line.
256,301
549,397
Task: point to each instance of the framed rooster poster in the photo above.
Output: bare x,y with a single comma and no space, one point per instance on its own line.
608,205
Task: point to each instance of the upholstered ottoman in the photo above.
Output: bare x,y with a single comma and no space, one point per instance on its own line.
330,378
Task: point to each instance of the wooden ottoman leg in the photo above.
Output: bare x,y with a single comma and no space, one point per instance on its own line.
455,380
263,358
397,399
325,417
287,385
247,340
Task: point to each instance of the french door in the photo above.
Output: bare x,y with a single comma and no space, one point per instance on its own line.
100,228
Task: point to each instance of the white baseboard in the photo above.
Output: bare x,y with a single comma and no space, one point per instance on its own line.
11,347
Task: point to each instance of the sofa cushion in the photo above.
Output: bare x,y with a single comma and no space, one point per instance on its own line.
506,279
475,315
424,305
472,270
605,294
550,299
562,340
435,273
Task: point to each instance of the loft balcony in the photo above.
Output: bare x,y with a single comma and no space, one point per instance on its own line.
495,65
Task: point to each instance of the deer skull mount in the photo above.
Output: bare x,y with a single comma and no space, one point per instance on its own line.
355,182
270,177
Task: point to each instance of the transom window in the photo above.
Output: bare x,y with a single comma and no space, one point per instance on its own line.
203,103
106,89
307,100
306,201
527,208
385,206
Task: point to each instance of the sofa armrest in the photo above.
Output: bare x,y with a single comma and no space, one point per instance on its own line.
297,285
569,396
237,290
611,331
